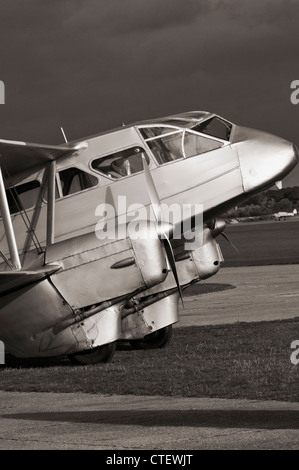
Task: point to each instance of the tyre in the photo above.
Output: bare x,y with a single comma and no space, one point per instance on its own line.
101,354
157,340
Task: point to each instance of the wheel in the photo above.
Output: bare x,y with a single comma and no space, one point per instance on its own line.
157,340
101,354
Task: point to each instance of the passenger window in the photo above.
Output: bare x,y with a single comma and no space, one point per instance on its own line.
121,164
23,196
74,180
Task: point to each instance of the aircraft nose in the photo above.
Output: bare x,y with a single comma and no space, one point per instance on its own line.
264,158
296,152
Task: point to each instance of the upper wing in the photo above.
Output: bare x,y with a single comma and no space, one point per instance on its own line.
19,157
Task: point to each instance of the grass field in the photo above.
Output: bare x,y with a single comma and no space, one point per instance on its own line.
245,360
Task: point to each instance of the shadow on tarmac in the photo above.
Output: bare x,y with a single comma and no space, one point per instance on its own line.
252,419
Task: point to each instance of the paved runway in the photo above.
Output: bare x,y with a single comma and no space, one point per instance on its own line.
260,293
83,421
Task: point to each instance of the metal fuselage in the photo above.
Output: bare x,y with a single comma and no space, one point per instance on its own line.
189,166
249,161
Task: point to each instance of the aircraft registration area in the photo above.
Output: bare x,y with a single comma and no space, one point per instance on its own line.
79,270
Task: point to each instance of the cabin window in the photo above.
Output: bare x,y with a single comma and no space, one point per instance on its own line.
215,127
73,180
120,164
180,144
23,196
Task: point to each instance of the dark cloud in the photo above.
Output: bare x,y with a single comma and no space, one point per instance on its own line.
89,65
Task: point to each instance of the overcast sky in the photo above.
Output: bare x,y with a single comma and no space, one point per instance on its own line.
89,65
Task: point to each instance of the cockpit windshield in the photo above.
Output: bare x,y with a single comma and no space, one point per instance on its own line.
215,127
169,143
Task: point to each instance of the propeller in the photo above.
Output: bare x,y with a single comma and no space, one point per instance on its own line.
230,242
217,227
157,209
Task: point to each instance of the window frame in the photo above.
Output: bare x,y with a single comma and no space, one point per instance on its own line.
144,151
177,130
59,187
24,208
220,119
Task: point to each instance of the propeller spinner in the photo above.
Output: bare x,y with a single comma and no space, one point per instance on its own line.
217,227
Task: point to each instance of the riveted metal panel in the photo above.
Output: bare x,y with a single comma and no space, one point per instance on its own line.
152,318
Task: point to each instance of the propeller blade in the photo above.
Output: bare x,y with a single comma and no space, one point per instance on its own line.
218,227
171,260
156,205
152,192
230,242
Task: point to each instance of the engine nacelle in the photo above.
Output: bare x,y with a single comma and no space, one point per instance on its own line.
149,253
95,269
208,257
193,266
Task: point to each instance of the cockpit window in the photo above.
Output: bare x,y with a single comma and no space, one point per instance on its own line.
215,127
179,144
121,164
154,131
168,148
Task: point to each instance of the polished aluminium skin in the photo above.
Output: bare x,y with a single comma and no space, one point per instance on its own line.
75,293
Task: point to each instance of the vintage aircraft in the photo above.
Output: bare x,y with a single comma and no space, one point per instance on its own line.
77,273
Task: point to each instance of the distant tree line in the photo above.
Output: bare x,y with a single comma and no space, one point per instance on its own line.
267,203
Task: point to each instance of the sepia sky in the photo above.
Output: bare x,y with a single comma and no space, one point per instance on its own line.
90,65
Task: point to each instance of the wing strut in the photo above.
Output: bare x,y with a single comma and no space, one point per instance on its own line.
51,204
10,236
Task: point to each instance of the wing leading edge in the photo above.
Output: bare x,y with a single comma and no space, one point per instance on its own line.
14,280
18,157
